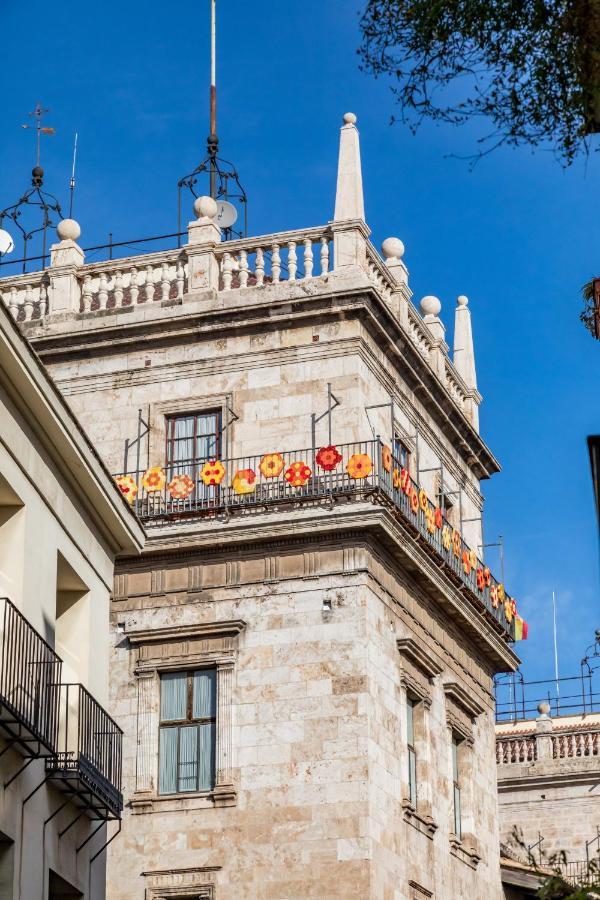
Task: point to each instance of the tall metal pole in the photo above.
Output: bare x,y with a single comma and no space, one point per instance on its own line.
555,651
72,181
213,140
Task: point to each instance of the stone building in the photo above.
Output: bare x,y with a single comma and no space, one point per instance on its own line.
549,787
303,657
62,523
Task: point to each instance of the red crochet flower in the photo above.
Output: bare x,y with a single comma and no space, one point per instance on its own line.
480,579
439,518
329,458
298,474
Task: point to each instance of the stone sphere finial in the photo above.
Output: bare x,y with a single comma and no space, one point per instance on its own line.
462,300
68,230
392,248
430,306
349,119
205,208
543,708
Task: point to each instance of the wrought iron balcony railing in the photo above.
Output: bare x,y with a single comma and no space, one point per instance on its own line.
88,761
366,469
29,672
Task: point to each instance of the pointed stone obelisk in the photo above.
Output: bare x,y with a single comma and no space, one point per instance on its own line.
464,355
349,201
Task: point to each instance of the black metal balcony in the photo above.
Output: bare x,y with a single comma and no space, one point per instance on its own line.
87,764
29,673
246,484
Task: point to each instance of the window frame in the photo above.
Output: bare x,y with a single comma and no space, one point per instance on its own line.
189,721
401,451
456,790
172,463
411,704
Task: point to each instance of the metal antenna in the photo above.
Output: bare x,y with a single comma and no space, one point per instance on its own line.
38,113
555,648
213,140
72,181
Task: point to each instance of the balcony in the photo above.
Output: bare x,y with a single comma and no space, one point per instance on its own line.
29,673
349,472
87,764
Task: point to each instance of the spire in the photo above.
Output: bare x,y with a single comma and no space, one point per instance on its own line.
464,356
349,202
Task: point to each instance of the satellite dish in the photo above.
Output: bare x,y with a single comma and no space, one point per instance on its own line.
7,245
226,214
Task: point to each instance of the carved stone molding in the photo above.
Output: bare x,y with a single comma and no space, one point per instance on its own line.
418,669
412,651
462,710
422,821
177,884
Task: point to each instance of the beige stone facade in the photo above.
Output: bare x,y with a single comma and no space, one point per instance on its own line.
549,786
62,523
328,614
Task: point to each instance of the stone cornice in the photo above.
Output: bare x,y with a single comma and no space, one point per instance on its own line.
409,648
296,302
358,522
458,695
180,632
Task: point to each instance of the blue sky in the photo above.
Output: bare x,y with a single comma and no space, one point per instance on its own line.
518,234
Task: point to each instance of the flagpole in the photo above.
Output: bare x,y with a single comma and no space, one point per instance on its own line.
555,651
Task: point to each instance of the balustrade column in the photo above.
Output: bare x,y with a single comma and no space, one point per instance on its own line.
275,264
103,291
87,293
260,267
134,290
292,261
165,282
243,268
149,284
308,258
28,303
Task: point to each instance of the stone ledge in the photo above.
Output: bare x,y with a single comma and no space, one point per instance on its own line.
422,822
466,854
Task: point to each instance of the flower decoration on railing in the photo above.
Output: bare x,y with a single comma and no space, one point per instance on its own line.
128,486
212,472
386,458
384,474
244,481
359,466
272,465
181,487
328,458
154,479
297,474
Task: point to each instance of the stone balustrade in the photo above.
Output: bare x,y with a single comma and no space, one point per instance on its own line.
287,256
521,749
71,286
576,744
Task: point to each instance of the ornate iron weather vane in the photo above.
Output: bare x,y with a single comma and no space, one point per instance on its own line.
34,197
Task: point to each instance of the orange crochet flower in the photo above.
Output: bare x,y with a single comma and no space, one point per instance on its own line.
181,486
430,519
154,479
456,543
510,609
359,466
423,501
298,474
212,472
414,501
494,596
244,481
439,518
128,487
386,457
396,479
271,465
480,579
466,561
329,458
